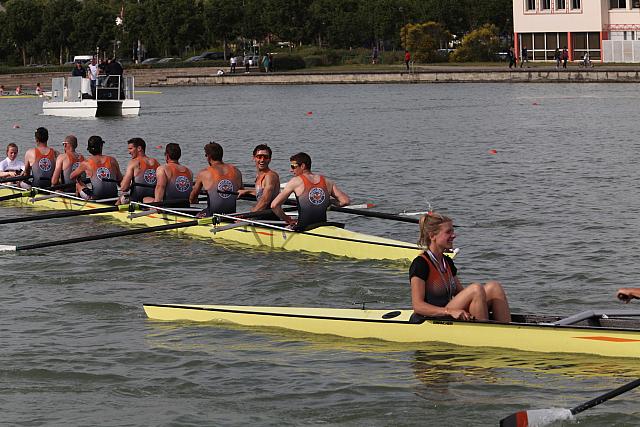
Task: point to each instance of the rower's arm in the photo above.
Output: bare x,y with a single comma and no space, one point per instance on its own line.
161,184
627,294
27,163
195,192
55,179
118,173
276,205
342,197
418,292
125,183
76,174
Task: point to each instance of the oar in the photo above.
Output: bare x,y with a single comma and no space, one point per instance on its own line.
16,178
67,214
16,195
9,248
540,417
374,214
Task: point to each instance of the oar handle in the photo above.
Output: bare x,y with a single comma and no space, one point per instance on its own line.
610,395
15,178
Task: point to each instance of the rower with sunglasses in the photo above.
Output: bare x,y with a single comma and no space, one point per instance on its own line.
313,193
267,185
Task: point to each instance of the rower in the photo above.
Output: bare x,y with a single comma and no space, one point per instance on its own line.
312,191
40,161
11,166
174,180
267,184
140,176
220,180
103,172
435,288
627,294
67,162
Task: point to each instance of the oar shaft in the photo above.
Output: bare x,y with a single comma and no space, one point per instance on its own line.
58,215
107,235
15,178
375,214
15,196
610,395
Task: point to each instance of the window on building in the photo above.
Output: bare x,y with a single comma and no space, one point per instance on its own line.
545,4
530,4
561,4
576,4
617,4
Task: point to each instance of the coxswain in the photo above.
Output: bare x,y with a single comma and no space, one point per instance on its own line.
436,290
312,191
174,180
67,162
11,166
40,161
103,172
267,184
140,177
220,180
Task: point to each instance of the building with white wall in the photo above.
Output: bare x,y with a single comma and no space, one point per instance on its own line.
609,30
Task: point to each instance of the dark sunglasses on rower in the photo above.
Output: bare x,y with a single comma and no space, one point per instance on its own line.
294,165
262,156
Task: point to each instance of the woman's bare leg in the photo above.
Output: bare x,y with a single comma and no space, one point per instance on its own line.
472,299
497,302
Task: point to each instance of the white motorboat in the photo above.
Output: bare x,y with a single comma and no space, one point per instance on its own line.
114,96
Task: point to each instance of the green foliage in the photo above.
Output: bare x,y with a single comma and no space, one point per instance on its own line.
479,45
288,62
424,39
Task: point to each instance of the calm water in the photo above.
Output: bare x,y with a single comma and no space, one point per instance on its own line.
553,215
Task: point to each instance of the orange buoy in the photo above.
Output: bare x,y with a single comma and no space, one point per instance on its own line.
492,151
309,113
159,147
16,126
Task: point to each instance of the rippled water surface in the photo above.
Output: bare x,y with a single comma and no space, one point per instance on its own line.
553,215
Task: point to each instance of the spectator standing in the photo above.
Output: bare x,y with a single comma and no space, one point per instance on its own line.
374,55
512,57
234,62
525,56
266,63
78,71
407,58
565,57
558,57
247,64
93,75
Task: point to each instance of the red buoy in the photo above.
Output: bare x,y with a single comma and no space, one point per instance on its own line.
492,151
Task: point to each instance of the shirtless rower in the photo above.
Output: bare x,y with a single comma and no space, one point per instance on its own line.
11,166
312,191
219,180
98,168
40,161
140,176
267,184
67,162
174,180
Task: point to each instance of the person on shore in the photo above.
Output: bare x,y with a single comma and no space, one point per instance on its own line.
267,185
512,57
234,62
78,70
525,56
174,179
220,180
407,59
11,166
67,162
627,294
102,171
266,63
374,55
558,58
313,193
436,290
40,161
140,176
565,57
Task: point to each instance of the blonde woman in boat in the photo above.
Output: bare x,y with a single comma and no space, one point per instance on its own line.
436,290
627,294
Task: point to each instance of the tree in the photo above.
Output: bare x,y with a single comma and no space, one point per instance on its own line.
223,21
479,45
23,22
424,40
59,16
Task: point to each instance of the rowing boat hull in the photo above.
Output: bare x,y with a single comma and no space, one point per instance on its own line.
328,239
390,325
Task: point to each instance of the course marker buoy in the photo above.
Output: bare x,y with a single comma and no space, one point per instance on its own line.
309,113
16,126
493,151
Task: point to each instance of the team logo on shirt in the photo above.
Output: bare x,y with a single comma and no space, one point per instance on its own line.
103,173
317,196
44,164
75,166
226,187
150,176
259,192
183,184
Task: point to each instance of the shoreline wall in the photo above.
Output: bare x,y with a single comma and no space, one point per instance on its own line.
208,77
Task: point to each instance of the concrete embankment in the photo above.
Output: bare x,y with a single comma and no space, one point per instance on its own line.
440,74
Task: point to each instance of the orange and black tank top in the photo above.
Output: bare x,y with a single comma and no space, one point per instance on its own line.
312,203
219,197
74,162
43,168
144,182
439,278
101,170
178,182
